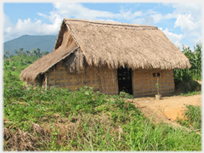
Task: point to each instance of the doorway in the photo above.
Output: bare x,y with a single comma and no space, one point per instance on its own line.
125,80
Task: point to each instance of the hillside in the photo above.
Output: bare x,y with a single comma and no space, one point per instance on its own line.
27,42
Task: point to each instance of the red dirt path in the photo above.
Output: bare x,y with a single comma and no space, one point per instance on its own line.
168,108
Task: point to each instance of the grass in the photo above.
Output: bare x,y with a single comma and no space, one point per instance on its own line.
191,93
84,120
192,117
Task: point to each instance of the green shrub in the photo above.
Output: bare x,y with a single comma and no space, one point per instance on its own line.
194,73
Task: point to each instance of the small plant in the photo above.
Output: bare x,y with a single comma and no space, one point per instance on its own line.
157,86
123,94
158,96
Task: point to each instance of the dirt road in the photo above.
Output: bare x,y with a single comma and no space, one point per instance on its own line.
167,109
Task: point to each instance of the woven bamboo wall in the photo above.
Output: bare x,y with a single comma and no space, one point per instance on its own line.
144,82
60,77
108,80
102,79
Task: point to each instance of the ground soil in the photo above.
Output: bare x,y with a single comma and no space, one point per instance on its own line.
167,109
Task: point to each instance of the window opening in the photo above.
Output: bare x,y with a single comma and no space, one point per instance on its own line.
156,74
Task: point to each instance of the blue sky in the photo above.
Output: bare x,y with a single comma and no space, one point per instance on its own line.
181,22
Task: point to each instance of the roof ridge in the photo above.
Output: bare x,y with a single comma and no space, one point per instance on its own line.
110,23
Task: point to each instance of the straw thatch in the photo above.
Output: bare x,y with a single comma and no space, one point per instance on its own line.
113,44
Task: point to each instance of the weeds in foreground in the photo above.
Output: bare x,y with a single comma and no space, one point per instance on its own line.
192,117
191,93
83,120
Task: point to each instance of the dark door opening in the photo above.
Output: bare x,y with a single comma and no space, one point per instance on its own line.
125,80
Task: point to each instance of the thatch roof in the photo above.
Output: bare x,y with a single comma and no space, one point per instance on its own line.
111,43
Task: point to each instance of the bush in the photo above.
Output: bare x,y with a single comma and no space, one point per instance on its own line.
194,73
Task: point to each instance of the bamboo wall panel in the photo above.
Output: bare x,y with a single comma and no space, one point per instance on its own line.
59,76
109,80
92,78
144,82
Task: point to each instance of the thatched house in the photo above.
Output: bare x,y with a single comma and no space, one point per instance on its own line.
111,57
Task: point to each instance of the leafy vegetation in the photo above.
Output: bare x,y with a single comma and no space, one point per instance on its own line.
60,120
195,60
14,64
187,77
87,120
193,117
191,93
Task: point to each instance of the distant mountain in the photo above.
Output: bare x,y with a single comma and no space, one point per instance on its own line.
27,42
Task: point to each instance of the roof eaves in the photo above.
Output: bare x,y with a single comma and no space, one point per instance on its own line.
60,59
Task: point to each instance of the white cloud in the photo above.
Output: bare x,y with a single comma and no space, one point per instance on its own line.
157,17
28,27
79,11
185,22
7,22
128,15
43,15
149,17
188,19
142,21
173,37
192,8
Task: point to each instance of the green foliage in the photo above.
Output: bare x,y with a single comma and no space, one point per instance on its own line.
189,93
157,85
100,118
195,60
123,94
13,65
193,117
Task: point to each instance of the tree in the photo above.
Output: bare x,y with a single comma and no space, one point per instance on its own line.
27,53
16,52
21,51
7,53
195,60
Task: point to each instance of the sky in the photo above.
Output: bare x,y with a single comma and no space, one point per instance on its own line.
181,22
